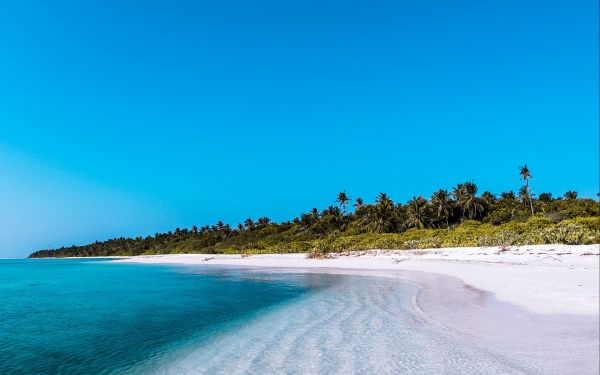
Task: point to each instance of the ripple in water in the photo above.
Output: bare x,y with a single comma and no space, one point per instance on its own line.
82,316
356,325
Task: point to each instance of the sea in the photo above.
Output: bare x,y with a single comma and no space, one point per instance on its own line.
98,316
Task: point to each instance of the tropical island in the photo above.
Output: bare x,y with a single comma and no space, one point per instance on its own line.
459,217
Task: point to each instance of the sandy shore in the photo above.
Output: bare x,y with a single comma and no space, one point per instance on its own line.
557,279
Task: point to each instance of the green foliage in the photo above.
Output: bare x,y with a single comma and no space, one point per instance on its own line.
461,218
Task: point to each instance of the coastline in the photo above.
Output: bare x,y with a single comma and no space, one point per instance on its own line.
547,279
545,321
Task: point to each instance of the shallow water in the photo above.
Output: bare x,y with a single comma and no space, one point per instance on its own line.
93,316
357,324
87,316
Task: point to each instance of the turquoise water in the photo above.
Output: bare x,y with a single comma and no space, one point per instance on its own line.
102,317
89,316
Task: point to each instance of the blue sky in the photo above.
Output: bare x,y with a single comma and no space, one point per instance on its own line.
132,118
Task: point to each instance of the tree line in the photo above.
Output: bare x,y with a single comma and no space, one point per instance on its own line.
347,216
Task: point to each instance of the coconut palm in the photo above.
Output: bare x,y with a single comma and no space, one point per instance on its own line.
343,199
264,221
545,197
219,225
526,175
306,220
358,203
508,195
417,215
381,215
458,192
442,205
488,199
470,203
524,195
384,199
249,223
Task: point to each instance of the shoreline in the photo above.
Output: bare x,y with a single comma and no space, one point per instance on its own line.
555,340
547,279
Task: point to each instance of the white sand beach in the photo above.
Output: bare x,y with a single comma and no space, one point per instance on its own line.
551,279
535,306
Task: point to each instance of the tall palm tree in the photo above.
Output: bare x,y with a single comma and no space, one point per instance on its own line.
416,210
343,199
458,192
384,200
526,175
524,195
381,215
469,201
359,208
442,204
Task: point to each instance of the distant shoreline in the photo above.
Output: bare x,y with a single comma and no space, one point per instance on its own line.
561,279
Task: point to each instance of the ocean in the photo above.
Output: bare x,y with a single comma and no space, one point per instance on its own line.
96,316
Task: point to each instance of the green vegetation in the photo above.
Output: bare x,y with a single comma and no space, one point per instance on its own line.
460,218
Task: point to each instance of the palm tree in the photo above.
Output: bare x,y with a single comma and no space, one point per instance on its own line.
526,175
384,199
545,198
508,195
220,225
469,201
571,194
458,192
358,203
343,199
264,221
442,204
381,214
249,223
416,210
524,195
306,220
335,217
488,198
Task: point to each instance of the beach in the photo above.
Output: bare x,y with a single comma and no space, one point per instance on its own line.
550,279
532,307
527,309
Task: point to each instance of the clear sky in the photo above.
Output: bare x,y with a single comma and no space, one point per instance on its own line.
128,118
